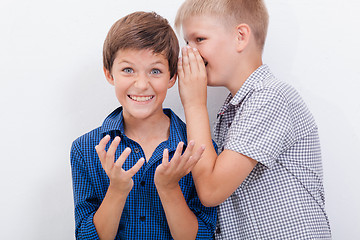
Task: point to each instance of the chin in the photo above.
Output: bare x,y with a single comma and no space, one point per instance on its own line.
212,83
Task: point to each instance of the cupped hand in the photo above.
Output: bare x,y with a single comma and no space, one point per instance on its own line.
120,179
192,78
168,174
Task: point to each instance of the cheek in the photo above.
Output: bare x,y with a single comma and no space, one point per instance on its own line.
120,91
160,88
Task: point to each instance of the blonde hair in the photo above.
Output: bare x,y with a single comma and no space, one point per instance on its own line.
233,12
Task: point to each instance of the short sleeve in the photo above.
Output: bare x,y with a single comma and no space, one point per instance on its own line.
262,130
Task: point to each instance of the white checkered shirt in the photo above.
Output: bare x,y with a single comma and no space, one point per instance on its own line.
283,196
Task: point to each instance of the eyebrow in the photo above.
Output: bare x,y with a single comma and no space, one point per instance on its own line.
157,62
131,63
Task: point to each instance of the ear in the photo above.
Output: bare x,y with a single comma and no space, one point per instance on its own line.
108,76
243,36
172,81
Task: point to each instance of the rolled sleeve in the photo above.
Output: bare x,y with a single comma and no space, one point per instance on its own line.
206,217
85,205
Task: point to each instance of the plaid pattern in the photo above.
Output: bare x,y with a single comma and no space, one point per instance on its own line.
283,197
143,216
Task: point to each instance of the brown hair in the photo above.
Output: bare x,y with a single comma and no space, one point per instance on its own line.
251,12
142,30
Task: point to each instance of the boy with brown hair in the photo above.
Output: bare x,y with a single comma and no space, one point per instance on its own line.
267,178
140,195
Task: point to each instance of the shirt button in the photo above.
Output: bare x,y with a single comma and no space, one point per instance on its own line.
143,218
218,231
142,183
136,150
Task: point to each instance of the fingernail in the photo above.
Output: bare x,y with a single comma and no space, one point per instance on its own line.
195,49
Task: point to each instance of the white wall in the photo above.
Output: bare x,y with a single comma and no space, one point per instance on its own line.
52,90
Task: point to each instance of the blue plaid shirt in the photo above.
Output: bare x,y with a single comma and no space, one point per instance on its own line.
143,216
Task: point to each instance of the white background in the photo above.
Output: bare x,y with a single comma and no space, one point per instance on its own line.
52,90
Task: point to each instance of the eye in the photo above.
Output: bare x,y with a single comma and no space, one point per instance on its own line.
155,71
200,39
128,70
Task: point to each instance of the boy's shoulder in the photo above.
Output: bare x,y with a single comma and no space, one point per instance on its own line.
87,140
93,137
264,87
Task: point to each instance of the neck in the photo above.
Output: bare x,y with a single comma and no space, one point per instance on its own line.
246,66
156,127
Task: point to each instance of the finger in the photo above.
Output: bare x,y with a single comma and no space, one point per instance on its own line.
199,60
180,69
132,171
165,160
124,155
198,153
194,159
101,154
100,150
190,164
185,61
192,60
113,146
176,157
188,150
110,155
104,141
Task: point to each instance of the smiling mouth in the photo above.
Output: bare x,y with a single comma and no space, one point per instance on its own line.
140,98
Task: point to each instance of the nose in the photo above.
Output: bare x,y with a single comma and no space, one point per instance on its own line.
141,81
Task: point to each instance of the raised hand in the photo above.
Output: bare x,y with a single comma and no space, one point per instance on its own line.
168,174
192,78
120,180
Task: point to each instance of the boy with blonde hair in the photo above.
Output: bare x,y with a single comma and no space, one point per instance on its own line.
129,189
267,178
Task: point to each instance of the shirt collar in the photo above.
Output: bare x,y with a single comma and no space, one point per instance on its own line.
114,124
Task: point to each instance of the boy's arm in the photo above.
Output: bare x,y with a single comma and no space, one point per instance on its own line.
182,221
84,195
107,217
216,177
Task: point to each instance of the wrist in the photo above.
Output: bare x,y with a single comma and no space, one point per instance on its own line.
195,108
117,194
167,188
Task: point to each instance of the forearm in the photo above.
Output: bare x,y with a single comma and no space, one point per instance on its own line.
107,217
178,214
198,129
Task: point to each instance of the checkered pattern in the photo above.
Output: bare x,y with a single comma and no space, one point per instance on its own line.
283,197
143,216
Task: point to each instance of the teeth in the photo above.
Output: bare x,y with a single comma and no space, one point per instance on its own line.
141,99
